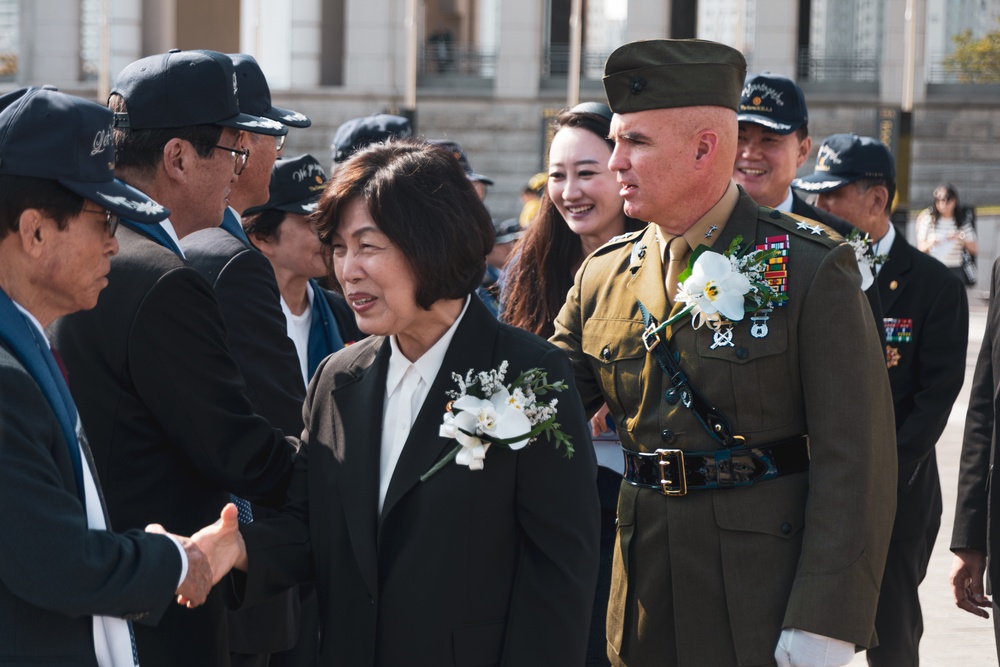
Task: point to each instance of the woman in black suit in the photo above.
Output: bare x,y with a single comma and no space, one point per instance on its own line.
491,566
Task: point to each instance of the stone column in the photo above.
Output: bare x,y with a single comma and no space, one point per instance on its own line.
775,39
519,56
49,45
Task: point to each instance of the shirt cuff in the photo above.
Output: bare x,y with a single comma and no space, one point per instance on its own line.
184,560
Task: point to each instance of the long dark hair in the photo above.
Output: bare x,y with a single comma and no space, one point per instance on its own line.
548,254
962,215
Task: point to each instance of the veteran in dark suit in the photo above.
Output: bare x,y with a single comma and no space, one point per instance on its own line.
740,465
248,297
927,332
173,429
974,537
69,586
489,560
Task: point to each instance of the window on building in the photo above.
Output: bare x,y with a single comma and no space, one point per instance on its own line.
9,35
90,39
843,43
952,23
603,30
459,38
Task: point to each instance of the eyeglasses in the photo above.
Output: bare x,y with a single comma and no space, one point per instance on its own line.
944,198
110,219
279,142
240,156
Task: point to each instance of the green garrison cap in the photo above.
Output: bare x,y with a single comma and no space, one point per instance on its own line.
668,73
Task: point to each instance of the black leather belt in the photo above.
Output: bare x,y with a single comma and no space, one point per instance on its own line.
674,472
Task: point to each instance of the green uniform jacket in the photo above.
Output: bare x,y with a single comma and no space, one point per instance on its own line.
711,578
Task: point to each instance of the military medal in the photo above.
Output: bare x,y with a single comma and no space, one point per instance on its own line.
759,328
723,335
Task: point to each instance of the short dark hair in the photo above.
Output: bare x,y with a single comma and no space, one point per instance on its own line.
802,132
18,193
865,184
266,223
142,150
420,198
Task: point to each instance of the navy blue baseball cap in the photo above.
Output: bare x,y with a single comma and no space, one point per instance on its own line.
255,94
184,88
357,133
463,159
845,158
296,184
774,101
51,135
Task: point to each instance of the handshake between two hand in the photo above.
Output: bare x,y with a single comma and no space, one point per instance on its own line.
211,553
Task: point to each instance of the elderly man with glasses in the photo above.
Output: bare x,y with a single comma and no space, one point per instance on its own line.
248,295
170,418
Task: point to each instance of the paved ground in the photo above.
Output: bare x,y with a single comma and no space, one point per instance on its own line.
952,637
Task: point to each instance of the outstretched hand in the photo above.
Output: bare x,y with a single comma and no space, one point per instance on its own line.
967,572
211,553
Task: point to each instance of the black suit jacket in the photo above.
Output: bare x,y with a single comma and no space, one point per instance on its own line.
490,567
842,227
976,512
925,373
56,573
172,429
248,296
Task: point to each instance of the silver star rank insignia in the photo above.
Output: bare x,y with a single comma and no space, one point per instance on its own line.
816,229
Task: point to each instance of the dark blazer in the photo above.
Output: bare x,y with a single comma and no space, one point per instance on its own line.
929,371
977,512
56,573
248,296
167,412
842,227
490,567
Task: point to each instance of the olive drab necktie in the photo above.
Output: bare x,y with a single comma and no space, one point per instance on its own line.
677,252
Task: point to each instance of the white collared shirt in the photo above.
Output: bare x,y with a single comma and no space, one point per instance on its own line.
785,206
406,386
884,244
168,227
112,643
298,328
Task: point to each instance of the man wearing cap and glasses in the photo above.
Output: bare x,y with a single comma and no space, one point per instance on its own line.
248,297
773,143
927,330
69,586
159,392
733,547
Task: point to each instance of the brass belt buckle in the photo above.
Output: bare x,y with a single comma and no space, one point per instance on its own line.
663,462
650,338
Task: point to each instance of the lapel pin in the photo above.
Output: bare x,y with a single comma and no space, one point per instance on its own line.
893,285
711,230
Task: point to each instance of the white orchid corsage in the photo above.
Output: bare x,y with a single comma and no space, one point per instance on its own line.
864,252
720,288
486,412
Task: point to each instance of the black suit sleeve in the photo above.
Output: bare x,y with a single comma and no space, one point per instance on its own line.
559,514
972,506
942,350
49,557
258,337
181,360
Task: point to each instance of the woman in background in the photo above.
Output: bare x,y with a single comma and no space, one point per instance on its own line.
946,229
580,211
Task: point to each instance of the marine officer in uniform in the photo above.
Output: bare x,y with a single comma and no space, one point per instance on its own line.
756,511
